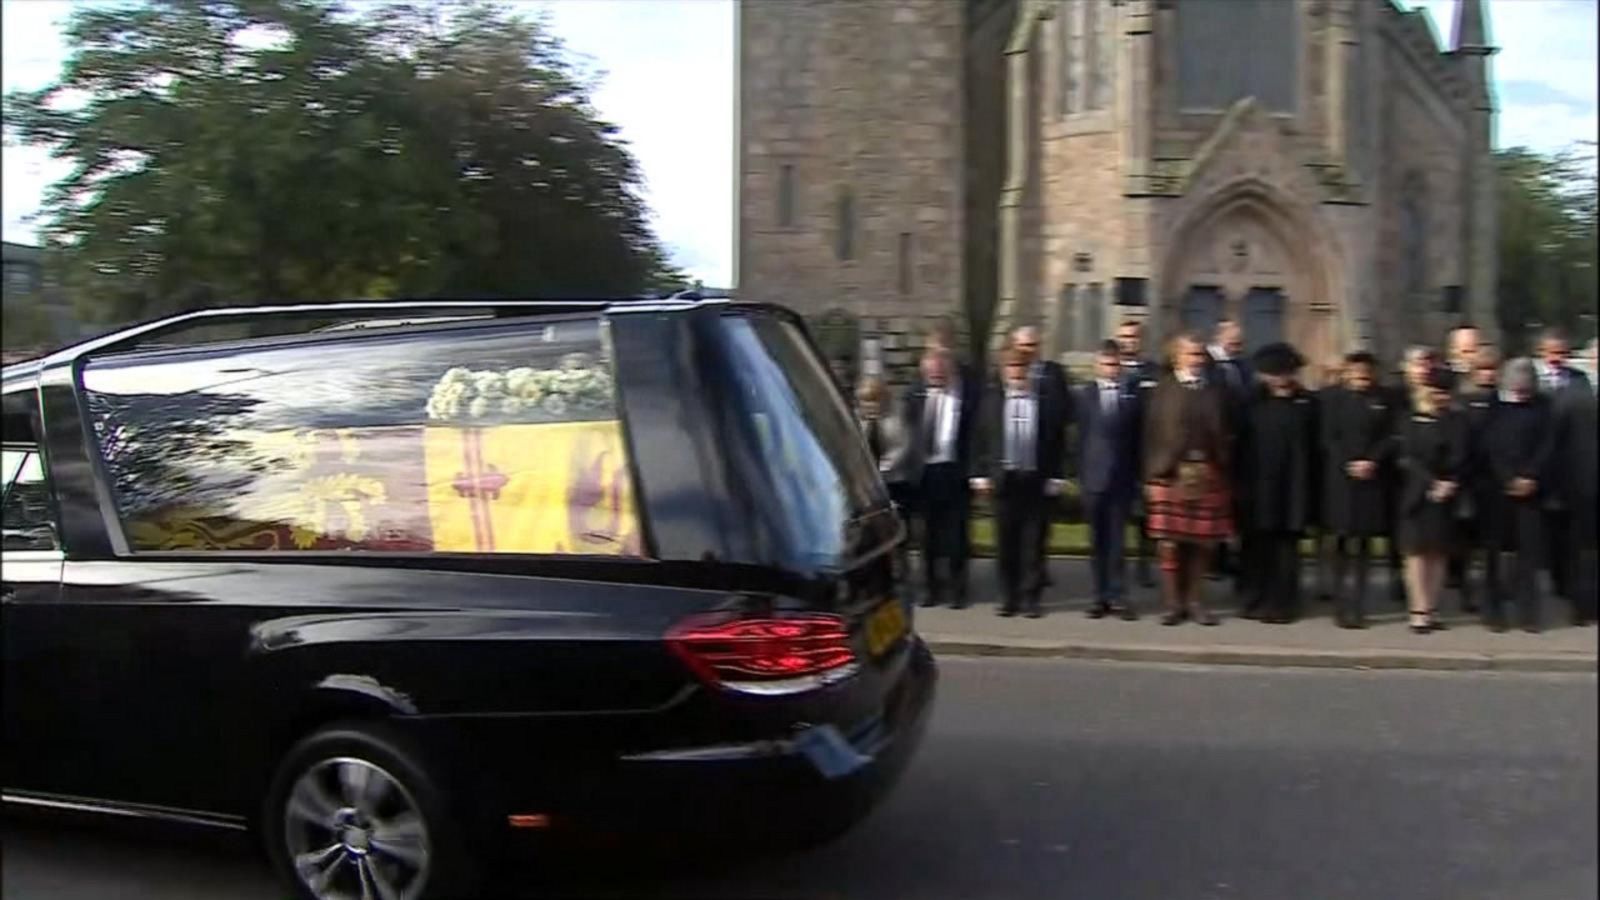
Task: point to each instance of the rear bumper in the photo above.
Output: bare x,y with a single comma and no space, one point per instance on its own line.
743,790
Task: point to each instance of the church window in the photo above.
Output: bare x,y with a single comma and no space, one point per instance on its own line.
905,262
1093,66
1092,317
845,238
1067,317
1067,21
786,196
1240,48
1414,236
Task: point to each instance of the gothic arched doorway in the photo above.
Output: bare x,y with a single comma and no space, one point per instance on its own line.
1246,256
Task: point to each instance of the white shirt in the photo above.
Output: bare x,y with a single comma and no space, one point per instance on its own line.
1108,396
1551,378
1021,416
944,411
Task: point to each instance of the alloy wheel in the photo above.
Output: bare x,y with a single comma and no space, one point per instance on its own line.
353,832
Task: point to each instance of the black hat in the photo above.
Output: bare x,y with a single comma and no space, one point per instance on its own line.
1279,359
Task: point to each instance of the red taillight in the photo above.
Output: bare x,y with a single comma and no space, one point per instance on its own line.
773,651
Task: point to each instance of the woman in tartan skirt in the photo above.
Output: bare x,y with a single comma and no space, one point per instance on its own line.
1187,455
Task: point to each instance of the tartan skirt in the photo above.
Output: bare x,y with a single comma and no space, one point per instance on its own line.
1198,515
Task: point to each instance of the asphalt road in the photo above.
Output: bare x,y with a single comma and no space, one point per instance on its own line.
1052,779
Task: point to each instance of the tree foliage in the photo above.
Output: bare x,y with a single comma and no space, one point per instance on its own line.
234,151
1547,240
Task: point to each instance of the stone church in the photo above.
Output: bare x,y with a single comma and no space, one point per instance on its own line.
1318,169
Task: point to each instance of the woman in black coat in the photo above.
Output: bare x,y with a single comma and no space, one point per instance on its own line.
1358,442
1431,456
1518,443
1277,483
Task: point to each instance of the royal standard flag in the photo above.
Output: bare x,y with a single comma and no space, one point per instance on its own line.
547,488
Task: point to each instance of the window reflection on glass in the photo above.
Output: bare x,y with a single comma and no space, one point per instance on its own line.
808,453
492,438
28,514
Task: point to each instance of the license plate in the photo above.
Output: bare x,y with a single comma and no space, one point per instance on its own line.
886,625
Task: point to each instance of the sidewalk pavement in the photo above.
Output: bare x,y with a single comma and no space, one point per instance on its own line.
1066,632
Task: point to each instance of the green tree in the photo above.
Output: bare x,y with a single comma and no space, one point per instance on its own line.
1547,240
239,151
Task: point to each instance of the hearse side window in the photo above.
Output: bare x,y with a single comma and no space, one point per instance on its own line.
496,438
27,513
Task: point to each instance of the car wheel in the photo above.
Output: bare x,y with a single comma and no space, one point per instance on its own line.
353,815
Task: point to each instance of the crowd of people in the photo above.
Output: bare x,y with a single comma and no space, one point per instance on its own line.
1476,474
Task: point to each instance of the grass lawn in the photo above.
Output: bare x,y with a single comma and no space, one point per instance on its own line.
1072,539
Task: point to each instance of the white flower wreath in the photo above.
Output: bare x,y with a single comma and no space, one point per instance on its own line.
523,392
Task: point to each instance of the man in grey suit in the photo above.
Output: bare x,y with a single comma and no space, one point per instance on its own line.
1109,417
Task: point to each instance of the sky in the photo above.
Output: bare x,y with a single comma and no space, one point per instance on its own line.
667,80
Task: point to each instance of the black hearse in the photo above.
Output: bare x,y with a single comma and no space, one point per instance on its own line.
399,584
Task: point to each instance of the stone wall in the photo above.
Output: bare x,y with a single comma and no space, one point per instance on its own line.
1421,138
861,97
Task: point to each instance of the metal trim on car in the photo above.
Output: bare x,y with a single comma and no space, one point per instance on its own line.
793,685
126,810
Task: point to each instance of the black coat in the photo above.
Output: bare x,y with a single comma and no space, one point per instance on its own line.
1050,434
1429,449
1277,482
1480,494
1567,417
966,427
1357,426
1516,444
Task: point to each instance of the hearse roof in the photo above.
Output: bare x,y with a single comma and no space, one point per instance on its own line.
362,314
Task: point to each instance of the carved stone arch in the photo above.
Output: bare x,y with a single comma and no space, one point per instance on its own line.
1294,252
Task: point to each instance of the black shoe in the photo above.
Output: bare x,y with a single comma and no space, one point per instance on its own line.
1251,612
1099,611
1006,612
1436,625
1421,629
929,601
1172,618
1034,613
1129,614
959,603
1531,628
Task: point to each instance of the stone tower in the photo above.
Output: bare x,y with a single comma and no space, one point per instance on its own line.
1471,48
852,160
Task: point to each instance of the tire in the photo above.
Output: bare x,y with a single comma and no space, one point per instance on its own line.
355,805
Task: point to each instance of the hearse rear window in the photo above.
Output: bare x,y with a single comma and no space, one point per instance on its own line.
489,439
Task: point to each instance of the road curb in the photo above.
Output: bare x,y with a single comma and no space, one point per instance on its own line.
1266,656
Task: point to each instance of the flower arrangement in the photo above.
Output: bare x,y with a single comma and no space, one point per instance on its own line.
577,386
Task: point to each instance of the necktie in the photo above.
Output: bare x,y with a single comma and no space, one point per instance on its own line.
1108,397
931,426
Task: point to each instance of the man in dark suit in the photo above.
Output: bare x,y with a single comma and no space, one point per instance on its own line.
1228,367
1109,418
1047,380
1023,466
1567,390
1141,375
940,412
